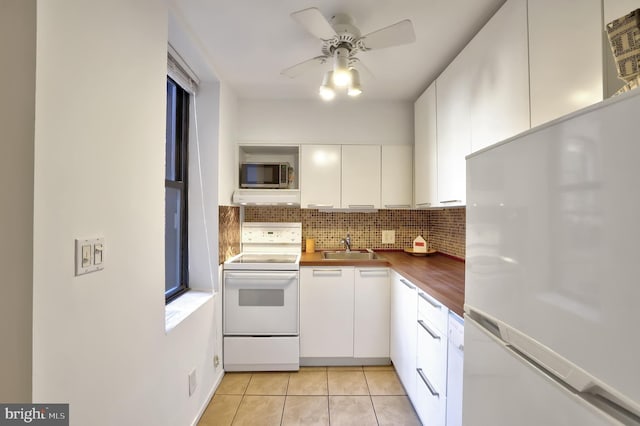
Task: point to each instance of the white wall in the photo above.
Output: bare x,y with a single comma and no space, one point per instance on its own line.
99,340
350,121
18,47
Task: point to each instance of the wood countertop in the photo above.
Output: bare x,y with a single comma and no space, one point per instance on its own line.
438,275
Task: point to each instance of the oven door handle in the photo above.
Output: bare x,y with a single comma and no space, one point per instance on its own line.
288,276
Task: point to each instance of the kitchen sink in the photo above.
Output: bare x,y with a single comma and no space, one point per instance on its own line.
350,255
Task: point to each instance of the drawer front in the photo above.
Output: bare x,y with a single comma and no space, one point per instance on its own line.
431,409
432,354
434,311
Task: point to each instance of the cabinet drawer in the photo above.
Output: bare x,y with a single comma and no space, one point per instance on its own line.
430,404
432,354
433,311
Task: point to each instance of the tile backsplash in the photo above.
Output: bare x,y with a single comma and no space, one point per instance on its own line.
444,230
228,232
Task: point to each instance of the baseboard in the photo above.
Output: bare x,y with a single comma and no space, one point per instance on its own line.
212,391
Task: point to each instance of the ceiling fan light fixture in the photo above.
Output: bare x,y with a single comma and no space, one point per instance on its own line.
327,90
354,88
341,72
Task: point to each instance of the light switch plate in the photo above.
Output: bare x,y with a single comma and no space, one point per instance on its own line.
89,255
389,237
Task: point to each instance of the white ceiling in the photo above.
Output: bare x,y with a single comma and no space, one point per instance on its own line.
248,42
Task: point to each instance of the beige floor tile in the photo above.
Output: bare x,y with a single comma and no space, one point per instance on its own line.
263,410
347,383
351,410
234,383
306,411
308,383
394,411
345,368
268,384
384,383
220,411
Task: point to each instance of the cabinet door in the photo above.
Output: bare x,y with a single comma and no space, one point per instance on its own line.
565,65
320,176
404,314
397,176
454,128
371,316
500,84
425,167
326,312
361,176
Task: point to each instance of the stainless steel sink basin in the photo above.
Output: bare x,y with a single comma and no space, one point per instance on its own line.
352,255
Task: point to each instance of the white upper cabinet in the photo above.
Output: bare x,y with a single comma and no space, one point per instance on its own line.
614,9
361,176
425,167
397,176
320,169
453,126
565,51
499,97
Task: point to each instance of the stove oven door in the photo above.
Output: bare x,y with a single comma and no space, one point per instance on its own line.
260,303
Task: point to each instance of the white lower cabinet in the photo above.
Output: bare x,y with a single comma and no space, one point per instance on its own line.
326,312
419,349
371,313
344,313
431,366
404,314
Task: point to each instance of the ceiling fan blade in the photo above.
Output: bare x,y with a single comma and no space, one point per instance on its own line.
393,35
304,66
315,23
359,65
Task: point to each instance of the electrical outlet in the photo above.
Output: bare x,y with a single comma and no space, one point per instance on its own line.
216,361
389,237
192,382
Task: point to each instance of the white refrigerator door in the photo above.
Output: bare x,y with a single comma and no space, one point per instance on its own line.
552,241
503,389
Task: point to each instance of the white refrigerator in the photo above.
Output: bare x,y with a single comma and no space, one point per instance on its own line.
552,284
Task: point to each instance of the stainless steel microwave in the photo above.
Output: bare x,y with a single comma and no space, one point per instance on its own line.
264,175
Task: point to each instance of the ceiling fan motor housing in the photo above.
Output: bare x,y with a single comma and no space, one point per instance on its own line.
347,35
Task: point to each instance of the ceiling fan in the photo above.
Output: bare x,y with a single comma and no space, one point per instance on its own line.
341,41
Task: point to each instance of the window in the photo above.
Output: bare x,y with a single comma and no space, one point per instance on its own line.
176,254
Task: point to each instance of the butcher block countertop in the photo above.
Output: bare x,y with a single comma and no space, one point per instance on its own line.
438,275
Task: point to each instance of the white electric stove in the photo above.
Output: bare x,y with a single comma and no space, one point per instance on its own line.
260,299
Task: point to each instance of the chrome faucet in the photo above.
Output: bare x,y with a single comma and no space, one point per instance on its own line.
347,243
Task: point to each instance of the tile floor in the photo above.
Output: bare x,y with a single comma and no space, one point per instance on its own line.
312,396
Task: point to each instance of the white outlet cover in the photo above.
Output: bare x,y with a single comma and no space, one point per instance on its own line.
90,264
192,382
389,237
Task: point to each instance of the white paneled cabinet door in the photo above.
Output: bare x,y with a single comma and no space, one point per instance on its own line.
425,167
397,176
500,97
326,312
565,66
371,314
453,98
361,176
320,176
404,315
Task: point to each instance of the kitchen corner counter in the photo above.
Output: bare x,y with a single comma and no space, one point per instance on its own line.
438,275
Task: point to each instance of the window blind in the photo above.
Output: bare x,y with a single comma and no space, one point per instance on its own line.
180,71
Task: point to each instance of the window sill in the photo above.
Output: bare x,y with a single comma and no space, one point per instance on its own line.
183,306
